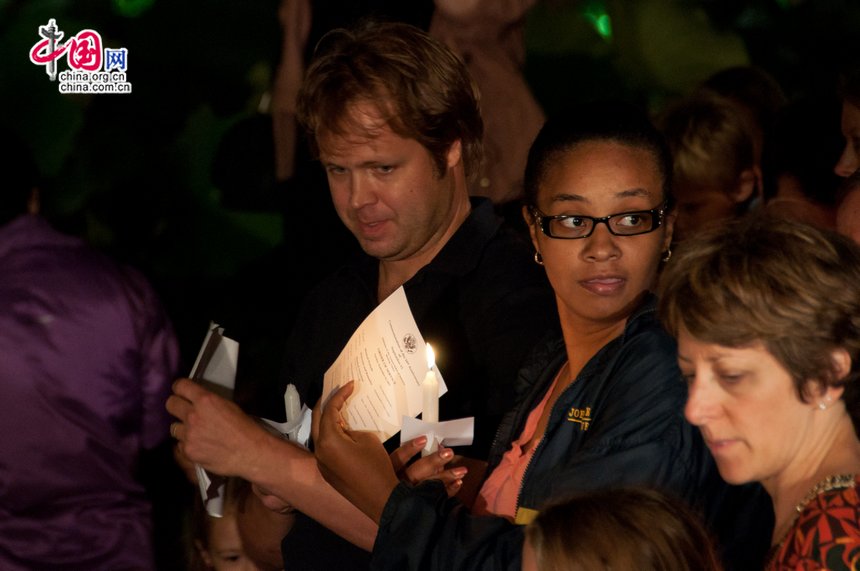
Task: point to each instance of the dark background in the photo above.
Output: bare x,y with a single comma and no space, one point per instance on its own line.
177,177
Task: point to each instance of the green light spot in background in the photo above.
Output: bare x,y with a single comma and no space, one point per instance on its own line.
132,8
604,26
596,14
784,4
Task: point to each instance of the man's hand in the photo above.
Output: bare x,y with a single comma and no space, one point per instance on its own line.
355,463
214,432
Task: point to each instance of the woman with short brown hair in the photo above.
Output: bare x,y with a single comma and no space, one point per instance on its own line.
767,317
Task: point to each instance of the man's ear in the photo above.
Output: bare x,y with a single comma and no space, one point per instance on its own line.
454,154
747,185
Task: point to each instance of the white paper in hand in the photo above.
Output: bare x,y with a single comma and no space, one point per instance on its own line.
459,432
215,368
387,359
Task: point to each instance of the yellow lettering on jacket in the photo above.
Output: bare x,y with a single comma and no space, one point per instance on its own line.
580,415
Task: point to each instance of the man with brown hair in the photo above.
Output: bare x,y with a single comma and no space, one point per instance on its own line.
394,118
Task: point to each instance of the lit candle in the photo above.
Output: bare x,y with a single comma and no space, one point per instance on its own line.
431,390
430,386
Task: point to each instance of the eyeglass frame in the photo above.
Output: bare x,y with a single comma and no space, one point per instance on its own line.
543,220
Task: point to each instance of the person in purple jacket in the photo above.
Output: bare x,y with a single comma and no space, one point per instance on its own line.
87,355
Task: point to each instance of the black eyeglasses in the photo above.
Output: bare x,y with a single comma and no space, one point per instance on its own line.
574,226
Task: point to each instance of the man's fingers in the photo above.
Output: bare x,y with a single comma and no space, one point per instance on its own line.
178,407
187,389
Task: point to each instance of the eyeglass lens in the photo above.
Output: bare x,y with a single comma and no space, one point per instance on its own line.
624,224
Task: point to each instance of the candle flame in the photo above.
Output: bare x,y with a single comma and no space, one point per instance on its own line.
431,357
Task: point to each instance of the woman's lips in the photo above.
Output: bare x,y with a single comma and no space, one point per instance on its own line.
606,285
717,446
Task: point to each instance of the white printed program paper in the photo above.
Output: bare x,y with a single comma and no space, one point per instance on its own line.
387,359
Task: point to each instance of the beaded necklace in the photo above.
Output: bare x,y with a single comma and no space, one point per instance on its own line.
834,482
829,483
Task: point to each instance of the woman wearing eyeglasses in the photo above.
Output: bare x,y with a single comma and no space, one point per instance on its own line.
600,404
600,397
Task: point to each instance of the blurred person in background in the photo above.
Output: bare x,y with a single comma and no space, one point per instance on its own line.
798,162
87,355
756,93
716,174
848,212
215,542
628,528
849,90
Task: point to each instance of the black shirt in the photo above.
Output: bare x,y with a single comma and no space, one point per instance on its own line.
482,303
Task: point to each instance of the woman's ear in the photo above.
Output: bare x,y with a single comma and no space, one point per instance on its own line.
841,363
841,369
841,366
669,225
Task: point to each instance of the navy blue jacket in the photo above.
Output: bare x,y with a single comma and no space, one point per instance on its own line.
619,423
